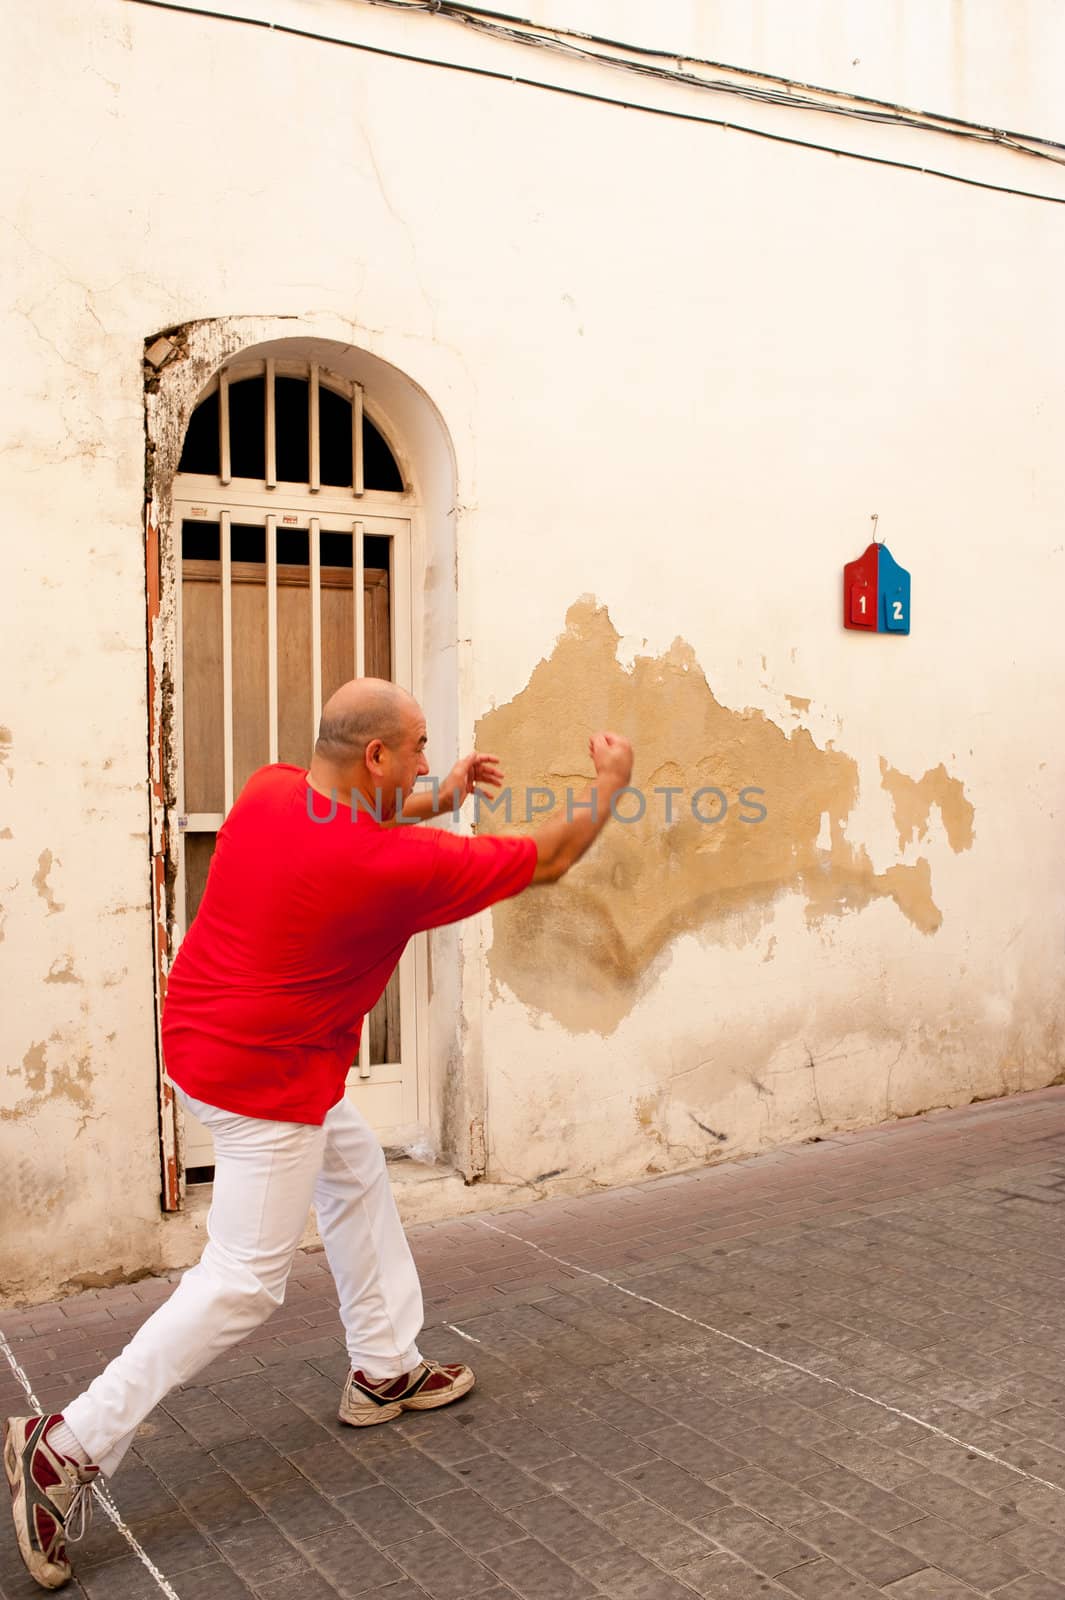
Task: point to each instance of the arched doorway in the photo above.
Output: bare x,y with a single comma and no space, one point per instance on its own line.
292,528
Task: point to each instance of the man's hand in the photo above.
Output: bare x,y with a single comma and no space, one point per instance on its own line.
562,841
612,755
465,776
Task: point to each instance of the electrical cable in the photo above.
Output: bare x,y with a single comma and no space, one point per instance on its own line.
862,107
598,99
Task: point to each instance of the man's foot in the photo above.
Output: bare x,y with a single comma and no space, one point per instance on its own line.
50,1494
367,1401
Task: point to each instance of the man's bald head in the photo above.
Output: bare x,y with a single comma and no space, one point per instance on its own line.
360,711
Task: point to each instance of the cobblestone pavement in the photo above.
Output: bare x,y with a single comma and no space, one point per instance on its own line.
723,1417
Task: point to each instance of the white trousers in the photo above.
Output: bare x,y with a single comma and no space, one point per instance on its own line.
266,1177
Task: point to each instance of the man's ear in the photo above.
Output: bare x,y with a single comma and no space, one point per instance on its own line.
373,755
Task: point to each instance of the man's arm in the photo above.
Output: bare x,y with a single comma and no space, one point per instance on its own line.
561,842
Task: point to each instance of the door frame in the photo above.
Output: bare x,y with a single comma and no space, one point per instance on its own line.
181,364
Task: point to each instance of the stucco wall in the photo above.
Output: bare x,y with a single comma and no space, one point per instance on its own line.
679,368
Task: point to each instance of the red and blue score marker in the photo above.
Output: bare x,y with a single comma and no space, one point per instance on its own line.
876,593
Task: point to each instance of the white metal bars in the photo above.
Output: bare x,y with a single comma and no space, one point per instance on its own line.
270,410
358,586
275,576
316,625
224,460
358,475
314,433
227,656
271,634
310,372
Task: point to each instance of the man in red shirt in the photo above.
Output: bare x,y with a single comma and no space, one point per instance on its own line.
316,884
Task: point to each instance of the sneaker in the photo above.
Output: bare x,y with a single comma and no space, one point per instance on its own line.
51,1496
367,1400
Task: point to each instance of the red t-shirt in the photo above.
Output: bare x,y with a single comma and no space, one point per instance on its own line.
300,927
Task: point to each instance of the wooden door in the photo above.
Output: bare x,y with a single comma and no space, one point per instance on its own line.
384,1081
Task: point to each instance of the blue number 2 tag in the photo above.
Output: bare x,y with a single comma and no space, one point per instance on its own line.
894,587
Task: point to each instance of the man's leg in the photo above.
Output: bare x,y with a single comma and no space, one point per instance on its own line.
265,1174
376,1279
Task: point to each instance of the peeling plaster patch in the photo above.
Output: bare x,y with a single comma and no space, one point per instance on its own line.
5,752
5,833
913,799
45,862
62,971
797,702
104,1280
71,1083
583,950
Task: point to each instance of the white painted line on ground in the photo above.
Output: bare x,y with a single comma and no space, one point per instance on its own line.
460,1333
796,1366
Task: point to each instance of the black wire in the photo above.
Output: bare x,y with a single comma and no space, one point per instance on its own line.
597,99
446,8
478,17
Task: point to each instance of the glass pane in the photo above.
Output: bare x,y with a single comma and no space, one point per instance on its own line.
334,436
202,452
248,542
247,428
336,550
293,547
379,468
291,413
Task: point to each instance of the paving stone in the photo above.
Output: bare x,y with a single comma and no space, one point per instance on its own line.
770,1496
656,1534
214,1501
523,1443
861,1499
331,1468
259,1546
761,1544
824,1580
625,1575
670,1486
564,1529
704,1458
471,1522
531,1570
297,1509
587,1486
1033,1586
1037,1548
723,1577
440,1567
976,1513
414,1474
498,1481
930,1585
851,1544
253,1463
918,1264
310,1586
975,1561
383,1514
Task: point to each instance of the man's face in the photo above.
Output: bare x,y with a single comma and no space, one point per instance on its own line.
404,760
